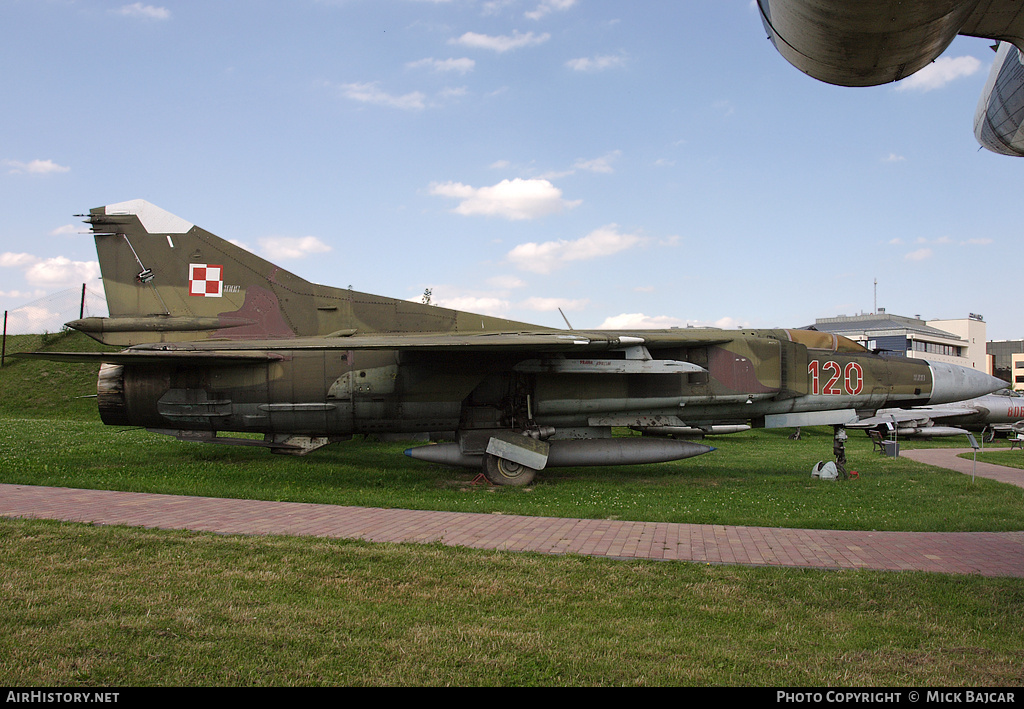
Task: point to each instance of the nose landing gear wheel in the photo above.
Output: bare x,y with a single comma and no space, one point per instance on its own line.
506,472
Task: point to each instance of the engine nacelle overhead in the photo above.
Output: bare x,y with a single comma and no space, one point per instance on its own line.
999,118
863,43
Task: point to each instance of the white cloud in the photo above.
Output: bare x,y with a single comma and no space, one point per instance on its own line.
12,260
546,305
143,12
60,271
501,43
66,230
286,247
453,92
35,167
601,165
545,257
919,255
546,7
598,63
939,73
639,321
484,305
34,319
372,94
893,157
984,241
21,294
56,271
512,199
506,282
461,66
724,107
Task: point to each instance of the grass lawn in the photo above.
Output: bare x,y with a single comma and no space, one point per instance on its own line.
86,605
758,478
1011,459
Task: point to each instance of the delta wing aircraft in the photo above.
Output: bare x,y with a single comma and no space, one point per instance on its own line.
998,413
872,42
220,341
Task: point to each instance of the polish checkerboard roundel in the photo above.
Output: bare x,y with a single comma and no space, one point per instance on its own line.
205,280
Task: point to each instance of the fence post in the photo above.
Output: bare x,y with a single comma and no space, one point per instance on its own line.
3,348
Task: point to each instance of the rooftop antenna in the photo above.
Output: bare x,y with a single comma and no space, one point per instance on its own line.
876,296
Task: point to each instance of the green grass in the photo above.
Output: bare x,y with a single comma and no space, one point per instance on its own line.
86,606
759,478
1011,459
93,606
51,389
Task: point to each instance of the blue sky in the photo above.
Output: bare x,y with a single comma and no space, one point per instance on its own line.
641,164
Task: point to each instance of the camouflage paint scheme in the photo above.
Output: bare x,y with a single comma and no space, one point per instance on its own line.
219,340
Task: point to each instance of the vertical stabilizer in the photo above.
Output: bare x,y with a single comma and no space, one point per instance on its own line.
167,280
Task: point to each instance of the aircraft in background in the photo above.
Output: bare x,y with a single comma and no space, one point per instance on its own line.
993,414
872,42
221,341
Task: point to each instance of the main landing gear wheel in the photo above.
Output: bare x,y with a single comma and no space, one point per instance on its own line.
506,472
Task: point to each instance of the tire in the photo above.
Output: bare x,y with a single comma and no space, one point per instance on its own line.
506,472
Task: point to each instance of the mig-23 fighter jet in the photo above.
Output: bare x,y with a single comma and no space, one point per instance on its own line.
220,341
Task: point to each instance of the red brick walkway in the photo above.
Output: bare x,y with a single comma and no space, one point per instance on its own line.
988,554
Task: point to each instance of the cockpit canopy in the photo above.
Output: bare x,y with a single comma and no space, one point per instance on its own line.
817,340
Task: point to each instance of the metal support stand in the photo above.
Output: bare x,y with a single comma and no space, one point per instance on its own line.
839,450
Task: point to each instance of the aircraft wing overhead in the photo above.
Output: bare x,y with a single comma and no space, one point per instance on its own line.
524,343
529,341
159,357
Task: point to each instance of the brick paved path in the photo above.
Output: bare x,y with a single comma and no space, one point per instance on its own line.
989,554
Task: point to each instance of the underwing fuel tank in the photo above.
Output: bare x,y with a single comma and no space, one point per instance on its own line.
576,453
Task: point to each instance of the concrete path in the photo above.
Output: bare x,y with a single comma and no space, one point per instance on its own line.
950,458
988,554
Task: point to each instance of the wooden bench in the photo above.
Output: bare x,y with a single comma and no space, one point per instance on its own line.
876,441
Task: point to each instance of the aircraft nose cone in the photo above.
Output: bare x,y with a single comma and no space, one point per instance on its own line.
952,382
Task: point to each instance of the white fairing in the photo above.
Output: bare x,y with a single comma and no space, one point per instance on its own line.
1000,114
952,382
154,219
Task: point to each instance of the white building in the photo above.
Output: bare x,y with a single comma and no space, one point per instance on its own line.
961,341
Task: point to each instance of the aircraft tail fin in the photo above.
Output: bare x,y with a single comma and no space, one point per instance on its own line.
168,280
